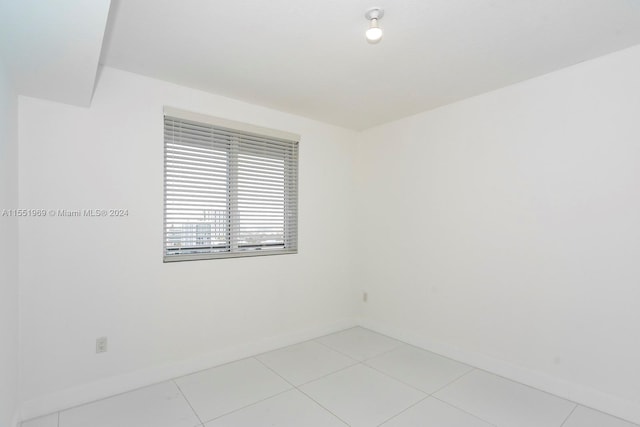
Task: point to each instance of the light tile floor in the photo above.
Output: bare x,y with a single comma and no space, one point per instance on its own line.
351,378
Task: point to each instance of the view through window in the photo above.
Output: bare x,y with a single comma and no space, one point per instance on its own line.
228,192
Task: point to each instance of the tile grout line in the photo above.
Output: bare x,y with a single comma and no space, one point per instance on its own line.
402,343
433,395
364,359
293,387
336,350
297,388
396,379
428,395
569,416
323,407
353,362
272,370
391,350
59,418
329,374
405,410
463,410
478,369
184,396
471,369
363,363
247,406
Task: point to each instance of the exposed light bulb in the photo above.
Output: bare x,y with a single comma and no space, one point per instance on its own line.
374,33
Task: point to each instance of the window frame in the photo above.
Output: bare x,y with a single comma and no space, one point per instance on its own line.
289,198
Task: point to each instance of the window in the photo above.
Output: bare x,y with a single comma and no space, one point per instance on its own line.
230,189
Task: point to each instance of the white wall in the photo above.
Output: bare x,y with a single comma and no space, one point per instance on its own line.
82,278
504,230
8,250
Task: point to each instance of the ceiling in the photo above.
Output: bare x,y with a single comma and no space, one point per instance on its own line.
52,48
310,57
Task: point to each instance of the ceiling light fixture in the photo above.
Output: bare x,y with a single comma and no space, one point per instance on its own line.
374,33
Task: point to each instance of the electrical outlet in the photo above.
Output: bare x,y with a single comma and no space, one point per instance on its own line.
365,296
101,345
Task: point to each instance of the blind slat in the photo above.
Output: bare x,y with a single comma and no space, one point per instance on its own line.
227,193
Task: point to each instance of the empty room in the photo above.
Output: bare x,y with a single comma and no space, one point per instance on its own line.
328,213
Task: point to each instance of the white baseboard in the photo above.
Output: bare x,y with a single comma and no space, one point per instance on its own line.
107,387
582,395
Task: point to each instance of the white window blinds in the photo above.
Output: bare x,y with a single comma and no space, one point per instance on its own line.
230,189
